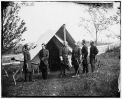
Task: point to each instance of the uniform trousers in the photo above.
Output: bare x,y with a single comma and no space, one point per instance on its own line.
43,70
85,65
92,62
76,66
27,73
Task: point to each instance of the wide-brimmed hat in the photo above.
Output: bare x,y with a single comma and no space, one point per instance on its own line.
91,42
84,41
25,46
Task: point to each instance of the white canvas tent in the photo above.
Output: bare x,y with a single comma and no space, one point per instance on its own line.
54,41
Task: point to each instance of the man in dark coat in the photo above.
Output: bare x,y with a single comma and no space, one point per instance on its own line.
93,53
64,52
84,52
27,68
76,52
44,55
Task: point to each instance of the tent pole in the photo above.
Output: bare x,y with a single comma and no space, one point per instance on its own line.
64,32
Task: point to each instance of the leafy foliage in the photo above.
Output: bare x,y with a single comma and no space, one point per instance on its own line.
100,19
12,27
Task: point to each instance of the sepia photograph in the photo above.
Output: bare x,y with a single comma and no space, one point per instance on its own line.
60,49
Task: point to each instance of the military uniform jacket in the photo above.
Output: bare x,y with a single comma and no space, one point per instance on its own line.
93,51
27,60
84,51
76,52
44,55
64,52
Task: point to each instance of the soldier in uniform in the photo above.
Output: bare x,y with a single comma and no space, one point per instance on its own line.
64,52
44,55
93,53
27,63
84,52
76,58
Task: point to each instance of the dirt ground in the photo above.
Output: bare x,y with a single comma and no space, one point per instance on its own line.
102,83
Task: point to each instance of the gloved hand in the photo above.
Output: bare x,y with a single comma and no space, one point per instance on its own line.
61,58
68,57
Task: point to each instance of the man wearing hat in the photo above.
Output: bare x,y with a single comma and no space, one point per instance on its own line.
27,68
84,52
76,52
93,53
64,52
44,55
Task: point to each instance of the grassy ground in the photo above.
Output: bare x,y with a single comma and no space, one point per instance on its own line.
103,82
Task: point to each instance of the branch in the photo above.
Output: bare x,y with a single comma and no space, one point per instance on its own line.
12,28
118,36
89,11
87,29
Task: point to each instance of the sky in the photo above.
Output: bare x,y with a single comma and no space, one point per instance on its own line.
51,15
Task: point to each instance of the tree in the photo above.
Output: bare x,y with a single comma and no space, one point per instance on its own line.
100,19
12,26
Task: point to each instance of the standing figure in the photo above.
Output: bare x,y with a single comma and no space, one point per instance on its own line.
93,53
84,52
76,53
44,55
27,68
64,52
